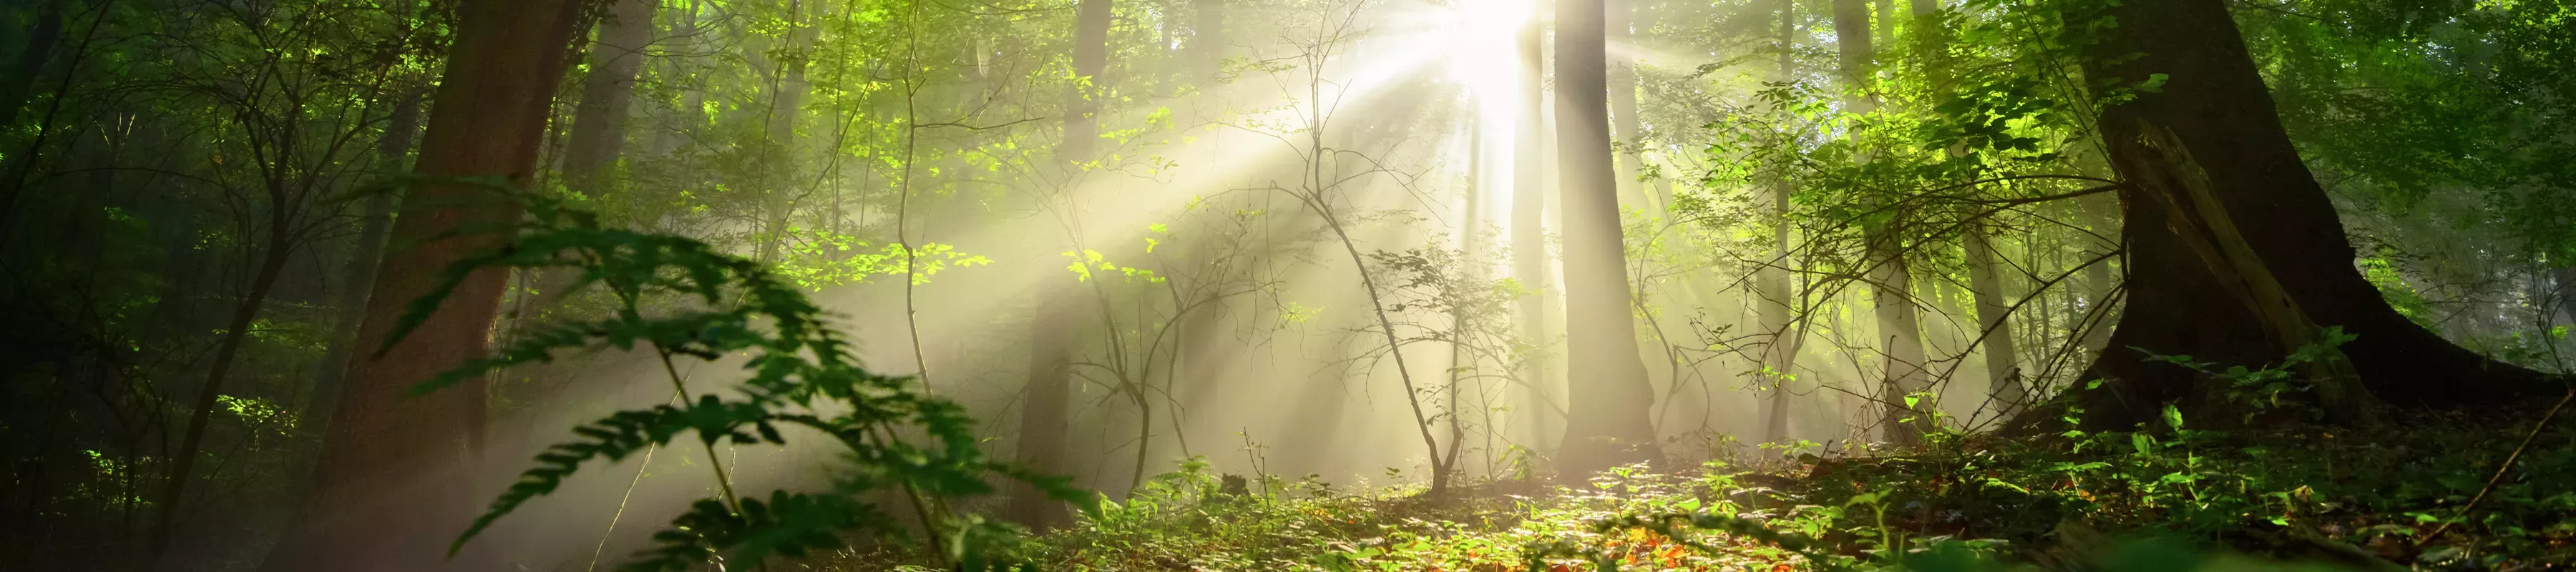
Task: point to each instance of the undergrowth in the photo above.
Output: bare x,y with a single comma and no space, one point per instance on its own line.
2161,498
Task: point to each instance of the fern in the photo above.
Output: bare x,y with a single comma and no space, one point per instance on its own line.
798,365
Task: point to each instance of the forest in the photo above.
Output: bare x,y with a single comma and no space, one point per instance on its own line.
1287,285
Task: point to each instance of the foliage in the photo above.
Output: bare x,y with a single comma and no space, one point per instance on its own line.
2160,498
801,374
2262,389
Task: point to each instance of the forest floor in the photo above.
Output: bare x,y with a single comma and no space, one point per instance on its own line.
2307,498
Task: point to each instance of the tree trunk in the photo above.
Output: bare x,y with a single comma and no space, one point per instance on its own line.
2565,279
1626,127
1890,279
1891,287
1048,393
1529,238
599,120
1043,411
1607,421
192,442
2003,358
1082,101
1208,40
786,104
358,272
1780,355
396,476
2206,149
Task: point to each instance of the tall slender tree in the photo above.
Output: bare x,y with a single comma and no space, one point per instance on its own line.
1771,281
2004,387
1207,40
1529,236
1047,397
1607,416
607,92
1890,281
1626,128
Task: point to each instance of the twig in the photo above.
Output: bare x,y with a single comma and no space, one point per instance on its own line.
2500,469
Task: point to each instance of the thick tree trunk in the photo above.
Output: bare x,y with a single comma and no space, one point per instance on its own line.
2207,148
599,120
1607,422
396,476
1048,394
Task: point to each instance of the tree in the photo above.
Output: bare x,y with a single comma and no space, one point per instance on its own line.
599,120
1607,421
1626,128
1529,237
2204,158
1890,280
395,476
1207,40
1771,282
1048,394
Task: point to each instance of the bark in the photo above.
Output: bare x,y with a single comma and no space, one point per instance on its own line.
1891,287
599,120
1607,422
276,249
1208,39
395,480
1529,239
2204,156
1625,125
2099,287
2565,279
1780,356
786,104
357,273
1890,280
1043,413
1048,392
1090,59
2003,358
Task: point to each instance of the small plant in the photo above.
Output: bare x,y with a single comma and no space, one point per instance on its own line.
2262,389
898,437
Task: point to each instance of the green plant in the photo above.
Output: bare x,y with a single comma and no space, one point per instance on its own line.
2262,389
897,436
